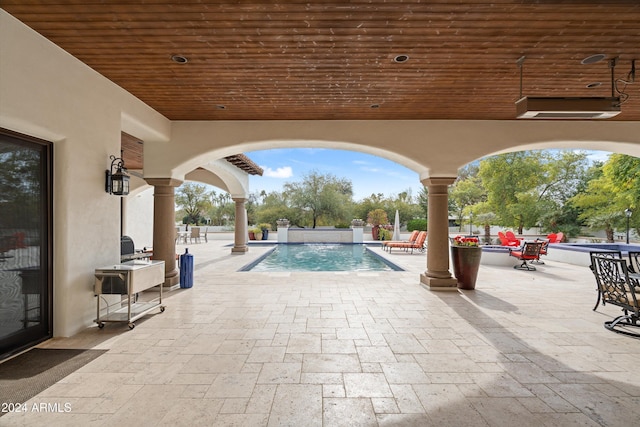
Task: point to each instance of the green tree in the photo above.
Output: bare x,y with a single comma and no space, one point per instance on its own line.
368,204
506,177
274,207
423,202
624,172
603,203
465,193
321,196
531,188
194,200
597,204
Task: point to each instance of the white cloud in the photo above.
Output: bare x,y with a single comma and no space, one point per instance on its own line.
283,172
598,156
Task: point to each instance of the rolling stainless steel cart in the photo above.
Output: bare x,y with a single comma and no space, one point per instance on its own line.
127,279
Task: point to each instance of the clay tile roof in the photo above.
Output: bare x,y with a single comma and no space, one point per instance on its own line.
246,164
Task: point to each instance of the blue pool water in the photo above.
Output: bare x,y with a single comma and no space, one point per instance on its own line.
320,257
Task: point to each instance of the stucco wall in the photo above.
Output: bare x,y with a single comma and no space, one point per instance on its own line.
138,218
46,93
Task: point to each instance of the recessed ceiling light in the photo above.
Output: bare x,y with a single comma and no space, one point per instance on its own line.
221,107
401,58
375,105
594,84
179,59
593,59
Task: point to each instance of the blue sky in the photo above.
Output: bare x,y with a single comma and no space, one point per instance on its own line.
368,174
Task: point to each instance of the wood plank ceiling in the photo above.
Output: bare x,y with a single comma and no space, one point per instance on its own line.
324,60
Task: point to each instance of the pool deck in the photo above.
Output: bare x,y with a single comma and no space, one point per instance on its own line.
366,349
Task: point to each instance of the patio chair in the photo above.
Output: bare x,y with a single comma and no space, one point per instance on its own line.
513,239
607,254
195,234
419,244
543,251
618,289
505,241
634,261
412,238
529,251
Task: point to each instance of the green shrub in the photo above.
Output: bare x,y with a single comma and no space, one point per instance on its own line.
384,234
419,224
342,225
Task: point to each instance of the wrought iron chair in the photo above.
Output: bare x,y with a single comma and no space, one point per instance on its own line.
618,289
634,262
543,251
608,254
530,251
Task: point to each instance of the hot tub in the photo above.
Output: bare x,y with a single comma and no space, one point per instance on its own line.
578,253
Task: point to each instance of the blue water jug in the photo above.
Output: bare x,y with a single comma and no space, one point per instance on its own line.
186,269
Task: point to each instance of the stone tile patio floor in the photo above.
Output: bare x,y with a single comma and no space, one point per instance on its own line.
356,349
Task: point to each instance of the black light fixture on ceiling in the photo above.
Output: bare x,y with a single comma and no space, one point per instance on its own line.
117,183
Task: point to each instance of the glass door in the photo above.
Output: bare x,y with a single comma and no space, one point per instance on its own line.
25,242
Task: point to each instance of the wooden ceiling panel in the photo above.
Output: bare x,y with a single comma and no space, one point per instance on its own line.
324,60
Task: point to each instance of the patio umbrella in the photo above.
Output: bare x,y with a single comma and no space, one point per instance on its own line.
396,227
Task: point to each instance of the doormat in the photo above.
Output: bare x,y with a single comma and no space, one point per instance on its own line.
34,371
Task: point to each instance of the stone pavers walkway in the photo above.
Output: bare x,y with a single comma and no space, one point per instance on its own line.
356,349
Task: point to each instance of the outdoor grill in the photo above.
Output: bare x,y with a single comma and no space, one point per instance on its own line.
128,279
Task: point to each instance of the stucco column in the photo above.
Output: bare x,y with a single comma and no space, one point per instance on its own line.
164,226
438,277
240,238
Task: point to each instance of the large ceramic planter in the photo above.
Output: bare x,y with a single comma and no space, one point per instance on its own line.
375,232
466,263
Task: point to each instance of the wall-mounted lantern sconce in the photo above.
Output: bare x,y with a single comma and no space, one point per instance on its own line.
117,183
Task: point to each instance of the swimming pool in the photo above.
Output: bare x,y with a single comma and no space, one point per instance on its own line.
321,257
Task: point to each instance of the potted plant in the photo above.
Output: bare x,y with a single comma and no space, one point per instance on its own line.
254,233
465,255
376,218
264,229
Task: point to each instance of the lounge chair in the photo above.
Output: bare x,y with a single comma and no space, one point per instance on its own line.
530,251
618,289
505,241
513,239
419,244
412,238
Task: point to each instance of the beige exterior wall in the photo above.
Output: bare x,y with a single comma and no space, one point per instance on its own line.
138,217
46,93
